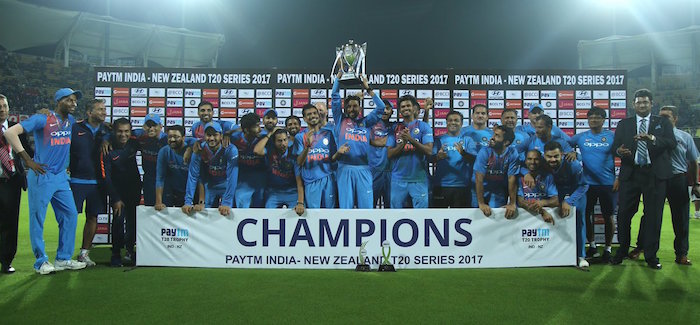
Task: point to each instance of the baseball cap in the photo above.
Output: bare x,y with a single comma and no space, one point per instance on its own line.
270,111
152,117
213,125
533,106
65,92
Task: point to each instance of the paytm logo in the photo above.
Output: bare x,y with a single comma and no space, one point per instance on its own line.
535,233
174,232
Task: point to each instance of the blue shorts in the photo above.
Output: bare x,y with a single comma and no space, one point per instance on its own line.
95,200
607,198
417,191
356,185
320,193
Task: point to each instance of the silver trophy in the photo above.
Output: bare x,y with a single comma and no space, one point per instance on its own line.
350,58
362,266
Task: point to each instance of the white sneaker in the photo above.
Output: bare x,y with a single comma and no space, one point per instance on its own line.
86,259
45,269
697,214
583,264
69,265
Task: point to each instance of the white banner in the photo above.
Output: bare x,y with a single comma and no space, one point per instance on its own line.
330,239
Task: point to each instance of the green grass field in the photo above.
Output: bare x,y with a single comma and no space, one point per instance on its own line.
627,294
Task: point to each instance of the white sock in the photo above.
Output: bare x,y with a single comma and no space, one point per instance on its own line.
593,244
608,249
84,251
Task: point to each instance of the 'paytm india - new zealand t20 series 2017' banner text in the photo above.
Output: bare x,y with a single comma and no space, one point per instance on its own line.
566,95
331,239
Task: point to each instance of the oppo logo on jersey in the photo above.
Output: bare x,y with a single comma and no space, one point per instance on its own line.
60,133
59,138
217,171
533,195
596,144
355,135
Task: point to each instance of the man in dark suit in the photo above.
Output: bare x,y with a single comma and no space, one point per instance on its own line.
643,142
12,181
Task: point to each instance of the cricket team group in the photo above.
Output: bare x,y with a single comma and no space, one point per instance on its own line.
354,161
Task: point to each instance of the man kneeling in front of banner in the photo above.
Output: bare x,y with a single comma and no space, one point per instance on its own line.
543,194
219,176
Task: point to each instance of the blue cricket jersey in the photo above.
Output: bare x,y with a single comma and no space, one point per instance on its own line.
219,170
496,169
378,159
597,156
318,158
354,132
411,164
481,137
248,161
171,171
453,171
544,188
557,133
570,183
149,150
85,149
52,139
282,170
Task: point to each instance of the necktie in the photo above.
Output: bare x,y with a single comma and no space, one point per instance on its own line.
5,159
642,158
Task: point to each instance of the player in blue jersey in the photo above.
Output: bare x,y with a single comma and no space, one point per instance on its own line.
509,119
495,174
533,113
568,176
217,168
408,148
171,170
205,111
250,191
454,157
378,160
48,180
354,175
281,168
269,120
543,135
293,126
315,149
86,139
479,130
123,182
150,139
543,194
599,173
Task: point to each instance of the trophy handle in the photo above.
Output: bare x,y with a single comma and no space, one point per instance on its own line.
335,64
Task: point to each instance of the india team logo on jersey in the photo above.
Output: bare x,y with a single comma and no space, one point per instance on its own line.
603,139
56,134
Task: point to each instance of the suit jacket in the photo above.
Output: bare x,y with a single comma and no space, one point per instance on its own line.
659,150
21,174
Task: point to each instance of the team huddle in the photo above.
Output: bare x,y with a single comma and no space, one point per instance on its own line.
353,161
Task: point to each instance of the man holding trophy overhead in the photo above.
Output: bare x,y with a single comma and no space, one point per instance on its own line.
352,132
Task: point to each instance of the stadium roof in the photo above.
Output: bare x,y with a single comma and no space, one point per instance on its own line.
678,47
28,26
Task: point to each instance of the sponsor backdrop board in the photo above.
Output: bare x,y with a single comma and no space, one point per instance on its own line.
566,95
331,239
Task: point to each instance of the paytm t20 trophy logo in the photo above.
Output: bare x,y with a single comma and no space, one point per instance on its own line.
350,58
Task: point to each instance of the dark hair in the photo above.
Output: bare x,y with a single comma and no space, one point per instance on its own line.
120,121
249,120
352,97
307,106
673,109
552,145
278,132
508,134
388,103
291,117
537,110
178,128
90,105
410,98
547,120
480,105
453,112
539,154
596,111
509,110
643,93
205,102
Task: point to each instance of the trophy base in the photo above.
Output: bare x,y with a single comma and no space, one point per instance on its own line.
362,268
350,80
386,268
